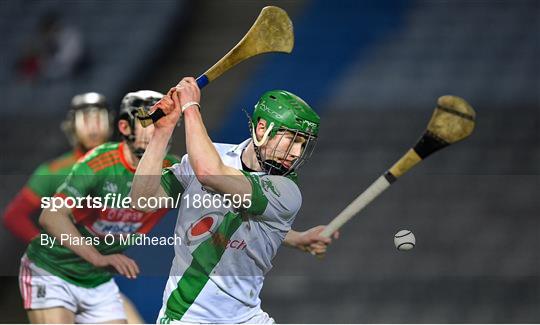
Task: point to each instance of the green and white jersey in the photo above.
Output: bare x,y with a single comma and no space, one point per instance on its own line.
218,271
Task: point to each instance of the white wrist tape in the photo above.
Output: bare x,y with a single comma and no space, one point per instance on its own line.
189,104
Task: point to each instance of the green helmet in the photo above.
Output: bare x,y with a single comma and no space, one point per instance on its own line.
284,111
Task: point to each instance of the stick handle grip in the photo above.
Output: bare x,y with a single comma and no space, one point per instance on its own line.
147,119
202,81
374,190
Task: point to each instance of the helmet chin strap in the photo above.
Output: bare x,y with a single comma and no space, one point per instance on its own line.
270,166
265,135
138,152
275,168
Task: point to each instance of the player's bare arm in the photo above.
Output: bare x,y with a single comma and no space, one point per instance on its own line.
151,163
203,156
310,240
58,223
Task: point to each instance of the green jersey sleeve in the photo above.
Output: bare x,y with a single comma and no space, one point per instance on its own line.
41,182
170,183
170,160
274,199
48,176
176,178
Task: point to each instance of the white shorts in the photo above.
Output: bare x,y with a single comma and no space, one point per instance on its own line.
41,289
259,318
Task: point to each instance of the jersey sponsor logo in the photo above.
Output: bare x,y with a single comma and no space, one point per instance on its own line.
204,189
110,187
103,227
116,221
268,185
220,240
206,227
127,215
237,244
70,189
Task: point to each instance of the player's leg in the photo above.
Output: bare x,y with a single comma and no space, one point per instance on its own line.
55,315
133,316
46,297
102,304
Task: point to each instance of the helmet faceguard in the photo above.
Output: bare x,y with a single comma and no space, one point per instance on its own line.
290,123
142,99
89,120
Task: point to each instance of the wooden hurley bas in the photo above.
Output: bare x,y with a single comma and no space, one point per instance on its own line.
453,120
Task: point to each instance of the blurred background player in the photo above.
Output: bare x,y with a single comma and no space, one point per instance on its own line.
61,285
87,125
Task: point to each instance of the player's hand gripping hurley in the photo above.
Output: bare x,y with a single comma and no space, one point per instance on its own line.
271,32
453,120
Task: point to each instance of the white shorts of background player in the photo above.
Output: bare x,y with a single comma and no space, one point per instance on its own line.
41,289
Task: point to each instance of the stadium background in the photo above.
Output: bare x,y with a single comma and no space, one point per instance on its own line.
373,69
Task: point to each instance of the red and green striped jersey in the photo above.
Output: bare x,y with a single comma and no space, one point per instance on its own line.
103,172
